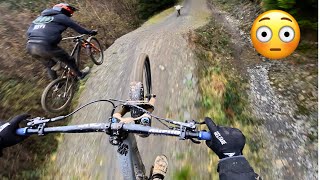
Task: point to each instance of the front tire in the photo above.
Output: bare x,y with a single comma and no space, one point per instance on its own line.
141,85
95,51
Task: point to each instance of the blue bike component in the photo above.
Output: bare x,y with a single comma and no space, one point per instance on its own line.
203,135
145,121
21,131
114,120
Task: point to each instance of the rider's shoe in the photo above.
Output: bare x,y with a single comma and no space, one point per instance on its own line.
160,167
84,72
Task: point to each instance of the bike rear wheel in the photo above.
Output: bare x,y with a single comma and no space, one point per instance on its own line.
140,85
95,51
57,96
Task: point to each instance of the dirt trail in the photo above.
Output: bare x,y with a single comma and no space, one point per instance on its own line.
174,82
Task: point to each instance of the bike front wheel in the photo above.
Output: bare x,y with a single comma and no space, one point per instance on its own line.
95,51
140,85
57,96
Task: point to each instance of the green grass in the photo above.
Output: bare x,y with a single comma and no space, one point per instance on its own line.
223,90
159,17
16,95
185,173
308,49
147,8
19,95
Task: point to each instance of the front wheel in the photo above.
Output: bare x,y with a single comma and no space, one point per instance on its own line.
140,85
95,51
57,96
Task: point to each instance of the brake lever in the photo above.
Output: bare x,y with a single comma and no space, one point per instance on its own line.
35,121
201,123
195,141
42,120
197,122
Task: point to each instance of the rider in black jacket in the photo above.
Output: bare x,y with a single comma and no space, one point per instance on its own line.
44,35
226,142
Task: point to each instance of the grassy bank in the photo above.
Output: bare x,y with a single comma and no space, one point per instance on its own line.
223,90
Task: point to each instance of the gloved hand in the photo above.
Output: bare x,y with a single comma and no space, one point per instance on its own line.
226,141
93,32
8,136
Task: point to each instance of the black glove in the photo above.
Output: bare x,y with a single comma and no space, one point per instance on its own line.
8,136
93,32
226,141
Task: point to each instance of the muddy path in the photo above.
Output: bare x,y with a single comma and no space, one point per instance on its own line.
90,156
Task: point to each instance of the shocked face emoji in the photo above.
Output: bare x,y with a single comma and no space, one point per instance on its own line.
275,34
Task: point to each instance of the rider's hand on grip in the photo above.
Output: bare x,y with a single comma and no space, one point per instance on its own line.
8,136
226,141
93,32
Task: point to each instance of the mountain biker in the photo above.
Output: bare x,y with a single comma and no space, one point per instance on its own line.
178,8
227,143
44,35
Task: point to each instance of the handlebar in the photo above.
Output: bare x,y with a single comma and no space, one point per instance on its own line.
74,37
108,127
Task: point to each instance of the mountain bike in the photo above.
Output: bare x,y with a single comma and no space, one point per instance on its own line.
57,96
121,129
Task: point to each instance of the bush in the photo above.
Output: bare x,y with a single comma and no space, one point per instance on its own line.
305,12
147,8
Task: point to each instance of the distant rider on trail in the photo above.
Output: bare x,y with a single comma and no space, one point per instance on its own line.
178,8
44,35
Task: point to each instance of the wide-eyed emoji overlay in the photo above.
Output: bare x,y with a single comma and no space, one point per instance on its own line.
275,34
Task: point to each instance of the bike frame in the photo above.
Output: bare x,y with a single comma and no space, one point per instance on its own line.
130,160
75,50
66,73
80,42
58,94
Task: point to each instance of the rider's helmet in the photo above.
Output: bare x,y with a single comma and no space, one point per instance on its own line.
65,8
